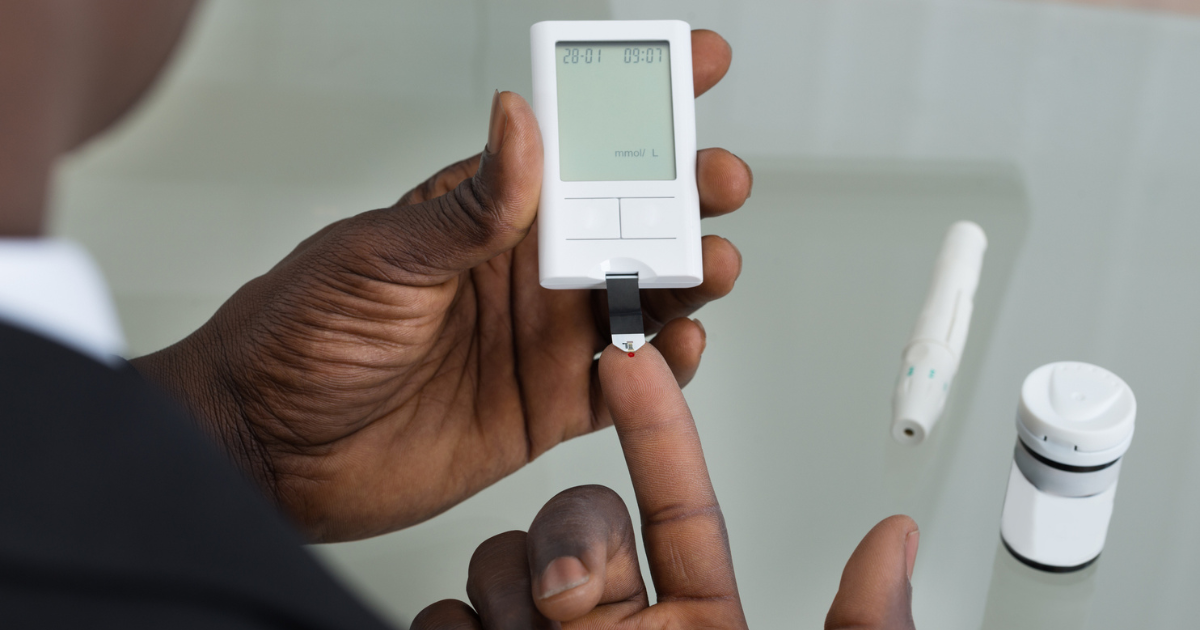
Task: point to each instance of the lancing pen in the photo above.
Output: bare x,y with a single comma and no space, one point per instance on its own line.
930,359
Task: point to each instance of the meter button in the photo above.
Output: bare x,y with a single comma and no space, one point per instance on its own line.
651,217
591,218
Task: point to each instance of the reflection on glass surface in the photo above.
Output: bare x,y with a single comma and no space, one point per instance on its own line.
1023,597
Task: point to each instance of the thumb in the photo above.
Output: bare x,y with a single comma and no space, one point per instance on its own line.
483,216
875,592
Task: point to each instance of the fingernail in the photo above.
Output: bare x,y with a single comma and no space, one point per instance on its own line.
561,575
910,550
497,125
703,335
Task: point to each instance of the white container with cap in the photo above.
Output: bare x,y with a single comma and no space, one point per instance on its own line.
1074,422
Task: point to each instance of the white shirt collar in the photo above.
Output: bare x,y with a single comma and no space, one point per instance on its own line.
51,287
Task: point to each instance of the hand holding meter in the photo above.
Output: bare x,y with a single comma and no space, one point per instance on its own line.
619,203
445,278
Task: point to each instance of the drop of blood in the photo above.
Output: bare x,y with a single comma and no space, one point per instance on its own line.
630,354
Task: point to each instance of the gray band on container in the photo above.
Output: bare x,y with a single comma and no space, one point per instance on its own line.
1055,480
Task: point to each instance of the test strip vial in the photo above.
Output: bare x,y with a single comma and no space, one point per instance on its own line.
1074,424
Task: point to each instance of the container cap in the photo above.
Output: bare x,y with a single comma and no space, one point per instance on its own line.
1076,413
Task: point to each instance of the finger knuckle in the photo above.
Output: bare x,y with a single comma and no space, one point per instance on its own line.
447,614
683,512
441,182
497,545
474,212
581,503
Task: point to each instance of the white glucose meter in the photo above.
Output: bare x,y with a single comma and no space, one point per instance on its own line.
615,104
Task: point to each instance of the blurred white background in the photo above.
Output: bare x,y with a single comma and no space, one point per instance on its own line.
1072,134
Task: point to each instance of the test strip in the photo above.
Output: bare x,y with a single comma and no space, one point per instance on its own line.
625,311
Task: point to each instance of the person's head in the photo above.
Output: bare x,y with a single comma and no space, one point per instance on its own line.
68,70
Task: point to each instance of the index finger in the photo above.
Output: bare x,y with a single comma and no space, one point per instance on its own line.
682,526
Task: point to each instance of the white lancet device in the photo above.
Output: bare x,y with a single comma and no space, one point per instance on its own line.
931,358
619,205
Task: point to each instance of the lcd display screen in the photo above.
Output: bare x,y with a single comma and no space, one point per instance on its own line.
615,121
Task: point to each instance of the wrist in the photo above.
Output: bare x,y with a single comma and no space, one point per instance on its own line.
191,373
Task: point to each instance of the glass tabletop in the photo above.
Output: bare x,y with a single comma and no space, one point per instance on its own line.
1070,134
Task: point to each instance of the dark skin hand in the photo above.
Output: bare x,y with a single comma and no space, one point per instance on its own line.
577,567
401,360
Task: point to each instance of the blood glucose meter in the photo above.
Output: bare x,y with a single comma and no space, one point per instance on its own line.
615,104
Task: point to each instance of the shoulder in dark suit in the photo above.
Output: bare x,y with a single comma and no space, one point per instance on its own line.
116,512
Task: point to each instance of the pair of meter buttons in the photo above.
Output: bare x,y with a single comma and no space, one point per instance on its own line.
621,218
